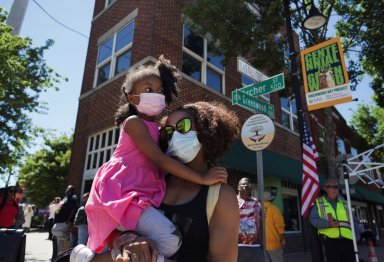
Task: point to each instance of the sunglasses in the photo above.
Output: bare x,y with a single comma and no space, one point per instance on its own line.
182,126
334,187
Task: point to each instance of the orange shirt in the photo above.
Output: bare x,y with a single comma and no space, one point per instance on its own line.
274,226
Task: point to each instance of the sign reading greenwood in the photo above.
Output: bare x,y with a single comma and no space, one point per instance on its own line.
250,102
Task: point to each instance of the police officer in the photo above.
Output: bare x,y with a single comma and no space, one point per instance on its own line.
330,216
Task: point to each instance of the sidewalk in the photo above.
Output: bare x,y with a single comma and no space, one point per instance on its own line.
363,254
39,249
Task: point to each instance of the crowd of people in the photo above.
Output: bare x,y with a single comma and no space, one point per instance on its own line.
161,196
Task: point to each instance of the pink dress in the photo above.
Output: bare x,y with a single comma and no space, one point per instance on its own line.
122,188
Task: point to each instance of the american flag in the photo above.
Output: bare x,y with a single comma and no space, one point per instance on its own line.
310,182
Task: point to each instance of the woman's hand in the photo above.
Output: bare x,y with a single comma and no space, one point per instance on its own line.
131,248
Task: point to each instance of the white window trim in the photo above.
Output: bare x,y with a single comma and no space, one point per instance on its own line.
290,114
113,58
108,5
342,140
90,173
130,18
204,63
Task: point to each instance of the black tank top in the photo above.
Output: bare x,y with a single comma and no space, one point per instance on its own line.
191,219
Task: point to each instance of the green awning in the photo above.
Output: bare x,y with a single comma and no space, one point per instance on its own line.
274,164
280,166
365,194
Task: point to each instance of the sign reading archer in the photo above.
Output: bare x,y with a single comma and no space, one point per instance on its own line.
325,77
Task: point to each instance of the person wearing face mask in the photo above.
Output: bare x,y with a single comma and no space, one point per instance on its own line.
196,134
127,189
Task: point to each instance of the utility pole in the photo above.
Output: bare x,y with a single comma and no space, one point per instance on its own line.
16,15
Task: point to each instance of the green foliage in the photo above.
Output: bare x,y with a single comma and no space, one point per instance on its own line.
361,28
24,74
369,123
239,30
44,174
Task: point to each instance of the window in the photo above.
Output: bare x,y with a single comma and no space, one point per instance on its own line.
109,2
246,81
114,54
100,149
202,61
291,209
354,151
340,146
289,113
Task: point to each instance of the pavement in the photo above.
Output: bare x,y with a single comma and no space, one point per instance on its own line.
39,249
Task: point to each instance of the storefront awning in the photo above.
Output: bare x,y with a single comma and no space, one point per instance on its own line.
274,164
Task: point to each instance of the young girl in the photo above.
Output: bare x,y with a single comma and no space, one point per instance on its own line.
131,182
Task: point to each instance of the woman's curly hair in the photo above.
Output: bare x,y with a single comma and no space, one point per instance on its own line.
168,74
216,126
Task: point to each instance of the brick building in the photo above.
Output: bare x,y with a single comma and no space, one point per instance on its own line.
132,33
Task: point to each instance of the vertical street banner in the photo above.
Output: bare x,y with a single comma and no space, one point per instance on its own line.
325,77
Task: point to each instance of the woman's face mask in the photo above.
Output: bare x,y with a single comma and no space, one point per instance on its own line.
184,147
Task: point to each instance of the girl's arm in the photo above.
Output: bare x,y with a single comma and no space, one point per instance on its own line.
138,131
224,227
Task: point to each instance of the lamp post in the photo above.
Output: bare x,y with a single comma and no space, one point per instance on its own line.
313,21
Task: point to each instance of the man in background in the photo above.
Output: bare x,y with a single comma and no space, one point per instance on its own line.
250,226
274,229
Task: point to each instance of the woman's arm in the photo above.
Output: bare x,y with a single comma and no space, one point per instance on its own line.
138,131
224,227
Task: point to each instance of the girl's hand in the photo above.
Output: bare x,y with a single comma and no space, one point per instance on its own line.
215,175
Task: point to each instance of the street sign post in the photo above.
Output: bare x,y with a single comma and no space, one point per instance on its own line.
269,85
250,102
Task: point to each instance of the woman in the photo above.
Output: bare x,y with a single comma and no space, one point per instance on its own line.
28,214
9,208
197,134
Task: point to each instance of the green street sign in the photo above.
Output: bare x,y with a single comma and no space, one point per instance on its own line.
250,102
269,85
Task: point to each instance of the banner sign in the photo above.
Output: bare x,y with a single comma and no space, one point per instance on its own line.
325,77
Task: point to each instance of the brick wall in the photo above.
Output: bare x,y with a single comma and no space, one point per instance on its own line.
158,30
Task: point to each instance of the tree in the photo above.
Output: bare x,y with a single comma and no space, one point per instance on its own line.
368,122
249,28
44,173
361,26
24,74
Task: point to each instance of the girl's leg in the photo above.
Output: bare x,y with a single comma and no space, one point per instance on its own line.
154,225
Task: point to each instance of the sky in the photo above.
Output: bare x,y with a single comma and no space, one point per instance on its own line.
67,57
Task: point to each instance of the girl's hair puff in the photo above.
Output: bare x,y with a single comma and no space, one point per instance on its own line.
163,69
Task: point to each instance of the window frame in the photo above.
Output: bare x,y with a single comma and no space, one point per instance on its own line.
290,114
95,141
112,59
205,64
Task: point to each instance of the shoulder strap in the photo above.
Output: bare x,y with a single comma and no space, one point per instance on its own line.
212,197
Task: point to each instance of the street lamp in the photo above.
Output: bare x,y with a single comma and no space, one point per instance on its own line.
314,20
